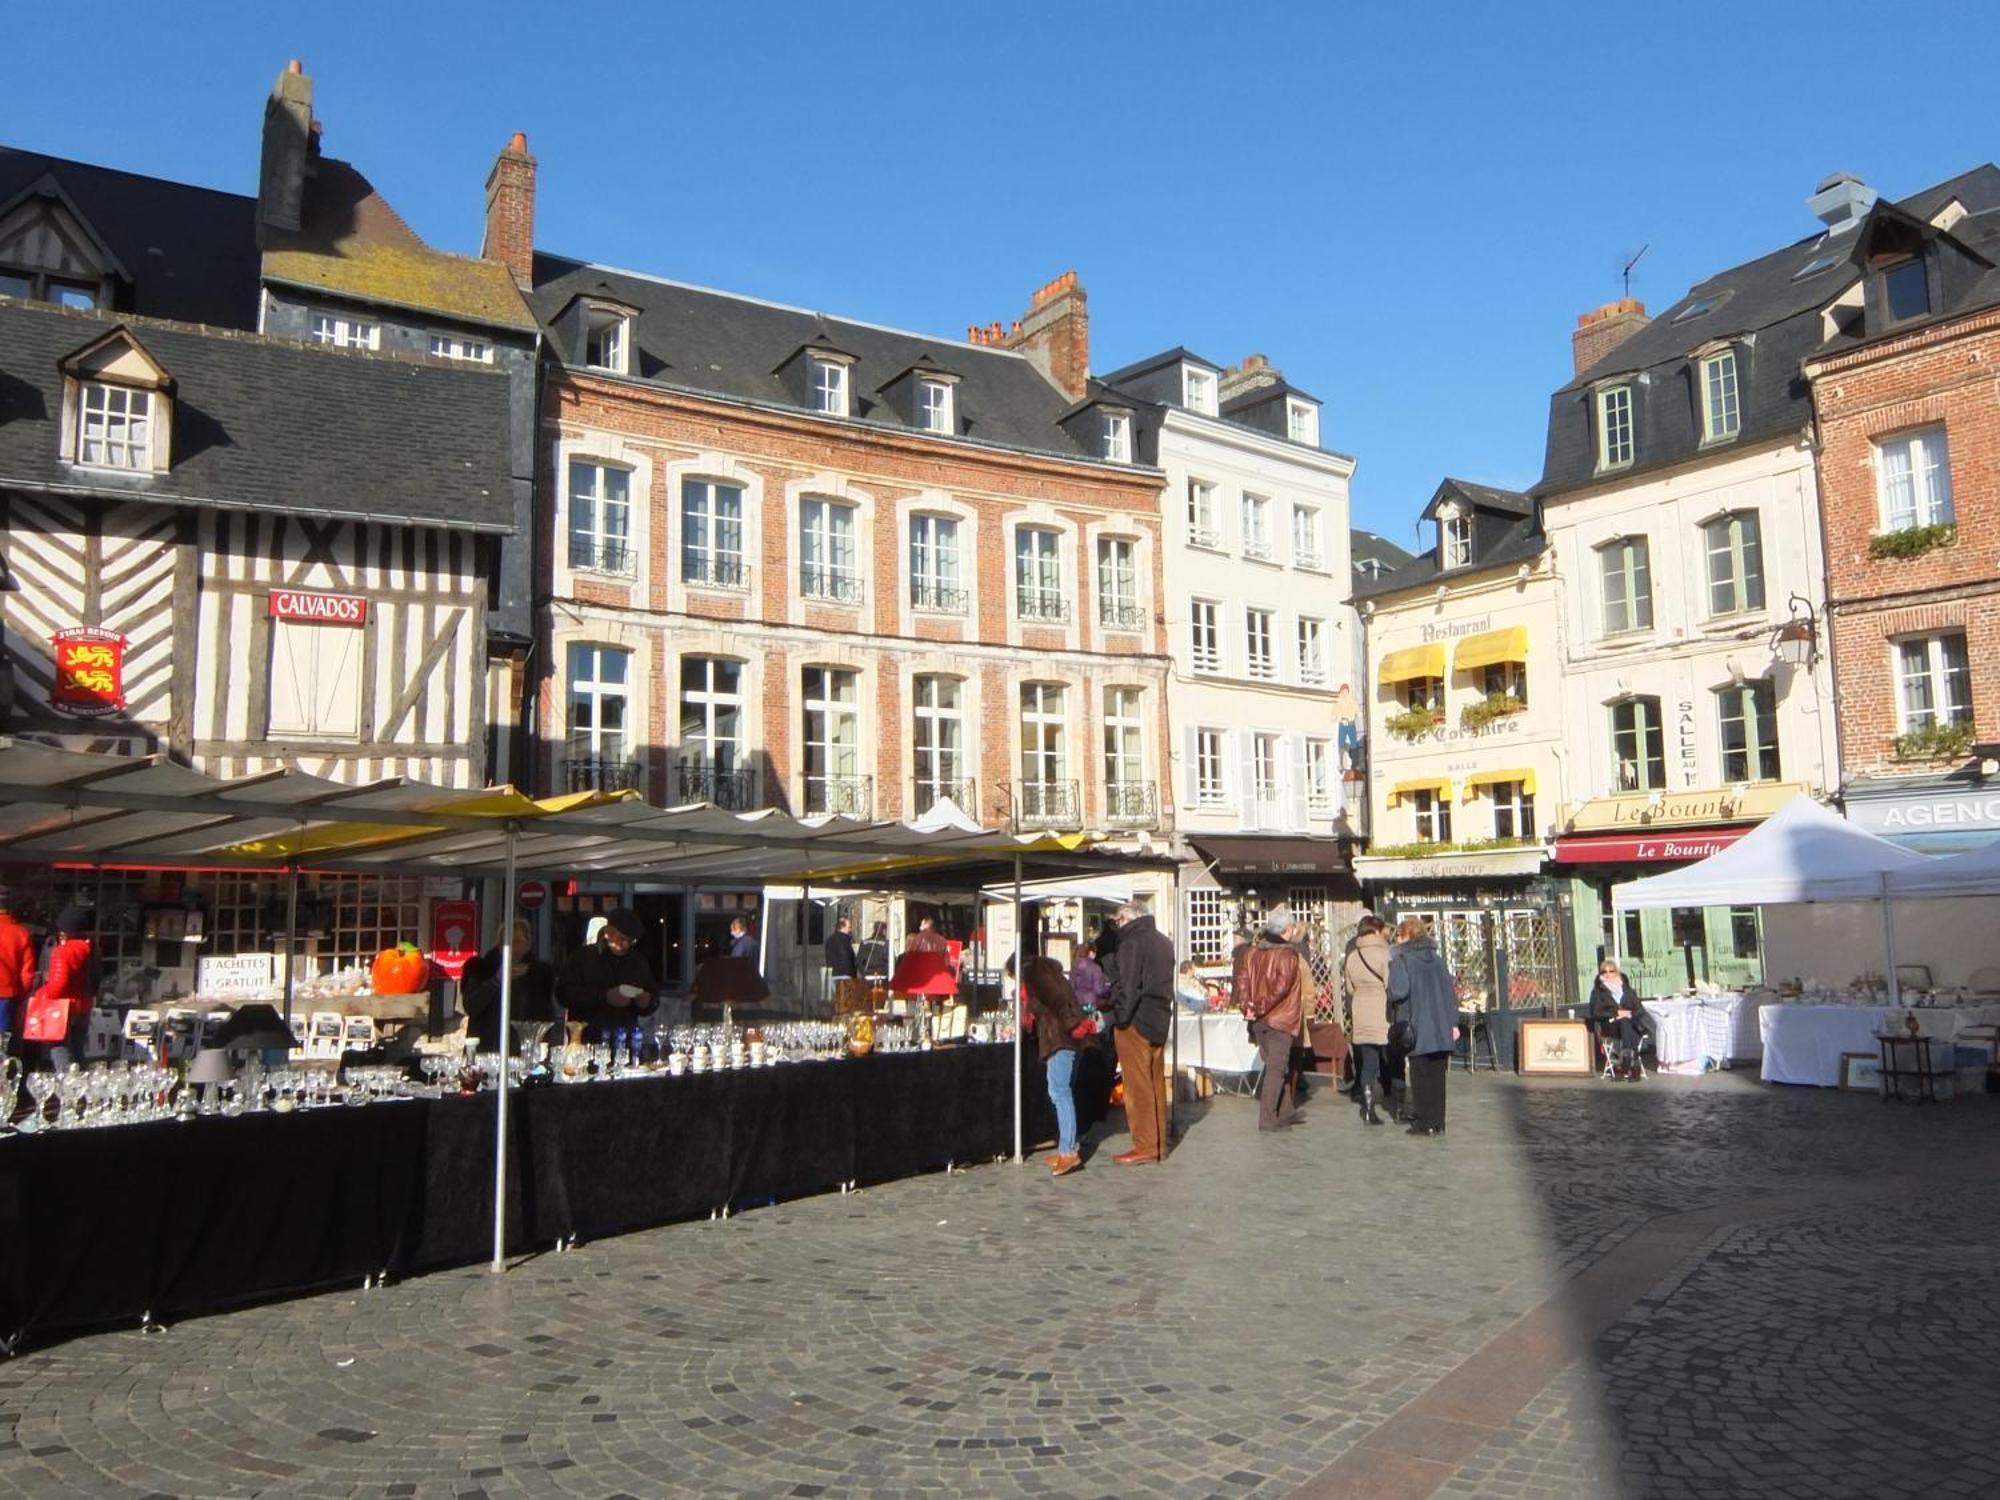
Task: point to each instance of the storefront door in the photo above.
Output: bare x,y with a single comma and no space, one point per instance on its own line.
1691,937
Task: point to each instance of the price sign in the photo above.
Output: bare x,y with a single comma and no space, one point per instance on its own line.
454,936
239,974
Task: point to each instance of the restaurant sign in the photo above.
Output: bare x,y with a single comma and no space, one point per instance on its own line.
1663,809
90,672
313,608
1625,849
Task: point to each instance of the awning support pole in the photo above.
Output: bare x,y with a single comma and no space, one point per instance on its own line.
1889,942
1020,974
291,928
506,1031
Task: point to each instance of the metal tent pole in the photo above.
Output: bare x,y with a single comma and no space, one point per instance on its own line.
506,1030
1020,978
291,931
1889,942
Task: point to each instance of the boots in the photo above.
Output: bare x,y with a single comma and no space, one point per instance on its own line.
1368,1115
1398,1100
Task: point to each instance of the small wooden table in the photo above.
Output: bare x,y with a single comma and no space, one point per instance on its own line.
1910,1058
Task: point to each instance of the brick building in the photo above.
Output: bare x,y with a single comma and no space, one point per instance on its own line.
1907,413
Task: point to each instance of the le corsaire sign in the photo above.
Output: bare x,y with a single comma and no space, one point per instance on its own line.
1626,848
318,609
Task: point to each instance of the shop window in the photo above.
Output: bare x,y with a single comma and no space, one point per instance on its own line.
1743,935
1635,936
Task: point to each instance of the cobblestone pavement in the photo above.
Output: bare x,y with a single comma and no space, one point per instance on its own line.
1691,1287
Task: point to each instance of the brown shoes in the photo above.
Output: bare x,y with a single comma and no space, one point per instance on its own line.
1135,1158
1062,1166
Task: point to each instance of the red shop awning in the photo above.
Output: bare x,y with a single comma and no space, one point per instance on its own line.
1680,844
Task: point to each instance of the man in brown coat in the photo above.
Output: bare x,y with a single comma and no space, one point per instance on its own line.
1272,992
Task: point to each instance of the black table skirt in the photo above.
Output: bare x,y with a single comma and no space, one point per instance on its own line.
102,1227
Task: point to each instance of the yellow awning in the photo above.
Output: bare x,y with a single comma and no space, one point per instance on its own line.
1441,785
1413,662
498,803
1495,778
1493,647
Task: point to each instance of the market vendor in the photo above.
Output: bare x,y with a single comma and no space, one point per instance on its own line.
608,983
534,989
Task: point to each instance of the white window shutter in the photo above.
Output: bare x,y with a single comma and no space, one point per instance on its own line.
1297,745
1190,767
338,689
1245,744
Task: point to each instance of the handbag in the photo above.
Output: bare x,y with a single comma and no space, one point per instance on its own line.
48,1019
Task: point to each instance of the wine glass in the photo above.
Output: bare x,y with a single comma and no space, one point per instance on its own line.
41,1088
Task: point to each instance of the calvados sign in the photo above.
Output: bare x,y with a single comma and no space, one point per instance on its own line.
318,609
90,672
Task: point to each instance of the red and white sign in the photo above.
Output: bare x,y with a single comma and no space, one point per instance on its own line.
90,672
318,609
1644,848
454,936
532,894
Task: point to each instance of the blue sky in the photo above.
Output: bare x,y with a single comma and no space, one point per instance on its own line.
1404,206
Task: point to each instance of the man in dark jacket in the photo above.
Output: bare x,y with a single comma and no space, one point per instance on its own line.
843,969
1142,1008
1421,993
1271,989
609,984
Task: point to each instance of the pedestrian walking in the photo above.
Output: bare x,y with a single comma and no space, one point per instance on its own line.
1271,991
58,1007
1060,1028
17,970
1142,1009
1365,972
1424,999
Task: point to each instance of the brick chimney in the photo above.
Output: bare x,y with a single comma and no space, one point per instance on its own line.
288,131
1254,373
510,211
1054,334
1598,333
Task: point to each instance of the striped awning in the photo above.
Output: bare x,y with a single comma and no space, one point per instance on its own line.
1524,775
1413,662
1493,647
1440,785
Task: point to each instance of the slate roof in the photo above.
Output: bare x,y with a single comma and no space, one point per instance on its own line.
191,250
720,344
1506,532
1765,297
351,243
1174,356
270,424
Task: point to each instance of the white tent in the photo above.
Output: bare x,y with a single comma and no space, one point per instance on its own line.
1976,872
1805,852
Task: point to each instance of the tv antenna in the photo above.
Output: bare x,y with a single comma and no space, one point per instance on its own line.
1626,274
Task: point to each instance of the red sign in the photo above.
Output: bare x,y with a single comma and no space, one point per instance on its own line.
90,672
532,894
1644,848
454,935
319,609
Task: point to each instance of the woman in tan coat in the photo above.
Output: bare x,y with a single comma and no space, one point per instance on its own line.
1365,972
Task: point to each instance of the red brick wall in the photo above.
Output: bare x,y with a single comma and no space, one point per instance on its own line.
510,211
1948,377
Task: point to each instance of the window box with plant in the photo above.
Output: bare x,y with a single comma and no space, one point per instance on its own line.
1424,850
1936,742
1912,541
1493,706
1412,722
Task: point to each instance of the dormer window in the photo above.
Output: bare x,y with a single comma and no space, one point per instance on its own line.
114,429
1302,421
1614,427
607,340
1455,538
934,405
1906,290
1198,389
827,384
117,406
48,253
1118,437
1721,410
343,332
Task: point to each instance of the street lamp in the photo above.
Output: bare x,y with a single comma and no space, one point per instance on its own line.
1797,640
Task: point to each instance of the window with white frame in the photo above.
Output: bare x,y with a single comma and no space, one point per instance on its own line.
1045,791
1721,413
1266,755
1505,679
1431,812
454,346
1913,479
831,702
1207,924
712,534
1302,422
1455,532
1124,752
1513,809
1614,427
607,340
315,679
827,563
939,740
934,413
1038,590
1260,657
1118,583
934,575
1312,651
711,733
1638,745
1305,537
1203,530
827,383
1205,635
1198,389
114,428
1735,563
1624,569
1319,776
1257,526
1118,437
600,518
1933,681
595,749
1211,787
344,332
1749,719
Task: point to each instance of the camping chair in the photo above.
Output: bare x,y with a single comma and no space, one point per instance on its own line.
1604,1035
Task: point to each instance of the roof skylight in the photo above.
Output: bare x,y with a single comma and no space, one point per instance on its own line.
1816,265
1694,310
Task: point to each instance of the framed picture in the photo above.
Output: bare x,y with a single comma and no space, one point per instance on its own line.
1861,1072
1559,1047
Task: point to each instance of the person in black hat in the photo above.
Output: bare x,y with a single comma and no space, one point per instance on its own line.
609,983
68,976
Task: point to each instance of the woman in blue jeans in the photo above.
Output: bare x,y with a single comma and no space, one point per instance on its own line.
1059,1027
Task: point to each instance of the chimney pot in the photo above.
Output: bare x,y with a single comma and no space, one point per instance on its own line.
519,144
295,66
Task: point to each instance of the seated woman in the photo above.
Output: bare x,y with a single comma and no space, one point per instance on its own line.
1189,991
1614,1010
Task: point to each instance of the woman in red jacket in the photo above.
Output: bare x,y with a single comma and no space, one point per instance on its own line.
69,976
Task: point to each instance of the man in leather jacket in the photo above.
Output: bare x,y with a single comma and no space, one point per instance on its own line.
1272,993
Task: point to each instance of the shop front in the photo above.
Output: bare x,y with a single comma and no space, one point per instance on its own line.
1936,814
1235,879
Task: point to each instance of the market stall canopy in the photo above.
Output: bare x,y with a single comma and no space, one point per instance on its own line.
1804,852
1109,888
67,806
1413,662
1973,873
1492,648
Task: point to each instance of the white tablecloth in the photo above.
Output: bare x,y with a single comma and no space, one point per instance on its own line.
1688,1027
1215,1042
1803,1043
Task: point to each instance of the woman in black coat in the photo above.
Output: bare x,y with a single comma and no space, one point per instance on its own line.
533,997
1614,1006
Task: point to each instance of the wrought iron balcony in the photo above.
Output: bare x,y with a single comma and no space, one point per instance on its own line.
831,585
1258,549
1131,804
1042,606
603,773
1118,614
715,570
1047,804
937,599
698,781
852,796
602,554
929,791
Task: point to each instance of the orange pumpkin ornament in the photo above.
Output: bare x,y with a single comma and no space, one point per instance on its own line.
401,970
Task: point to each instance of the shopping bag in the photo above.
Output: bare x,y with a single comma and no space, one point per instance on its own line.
48,1019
